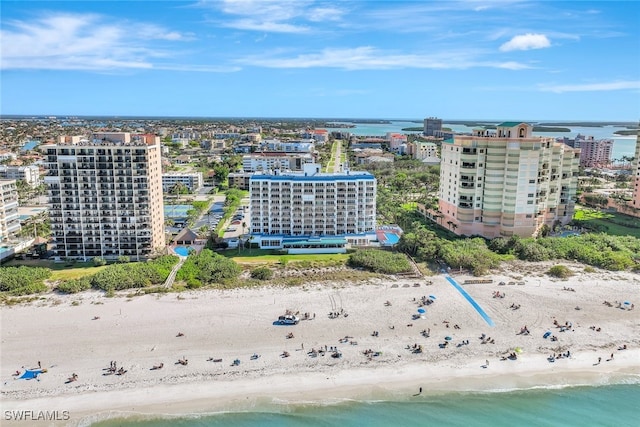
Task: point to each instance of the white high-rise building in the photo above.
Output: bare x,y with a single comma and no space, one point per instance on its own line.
9,218
311,204
506,182
636,175
105,196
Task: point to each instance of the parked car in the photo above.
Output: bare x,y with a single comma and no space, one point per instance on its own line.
288,319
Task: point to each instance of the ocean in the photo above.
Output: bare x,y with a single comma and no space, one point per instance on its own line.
622,146
604,405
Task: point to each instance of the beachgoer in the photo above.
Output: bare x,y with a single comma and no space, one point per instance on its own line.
486,362
420,390
599,360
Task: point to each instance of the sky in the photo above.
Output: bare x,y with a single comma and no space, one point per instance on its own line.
473,59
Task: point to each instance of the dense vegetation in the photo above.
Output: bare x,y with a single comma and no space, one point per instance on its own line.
74,285
134,275
208,268
23,280
380,261
599,250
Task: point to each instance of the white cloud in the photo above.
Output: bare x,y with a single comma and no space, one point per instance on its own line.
277,16
369,58
526,42
592,87
65,41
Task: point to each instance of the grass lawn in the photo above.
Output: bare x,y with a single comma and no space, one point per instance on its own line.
60,270
612,223
260,256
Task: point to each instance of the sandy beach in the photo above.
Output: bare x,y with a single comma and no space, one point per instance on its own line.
85,333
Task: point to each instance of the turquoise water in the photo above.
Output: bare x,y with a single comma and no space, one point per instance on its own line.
392,238
473,302
182,250
30,145
612,405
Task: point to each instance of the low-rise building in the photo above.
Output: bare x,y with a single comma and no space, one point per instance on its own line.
29,174
239,180
275,160
193,181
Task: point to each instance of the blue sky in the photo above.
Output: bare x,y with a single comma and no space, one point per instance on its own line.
474,59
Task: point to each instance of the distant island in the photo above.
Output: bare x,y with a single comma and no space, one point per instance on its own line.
372,122
626,132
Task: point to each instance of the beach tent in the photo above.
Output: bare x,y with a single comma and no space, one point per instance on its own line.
421,310
30,374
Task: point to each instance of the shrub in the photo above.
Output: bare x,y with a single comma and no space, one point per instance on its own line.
134,275
560,271
123,259
23,280
380,261
208,267
33,288
75,285
262,273
99,261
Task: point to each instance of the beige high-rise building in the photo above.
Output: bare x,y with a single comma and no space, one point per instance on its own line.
506,182
9,218
105,196
636,175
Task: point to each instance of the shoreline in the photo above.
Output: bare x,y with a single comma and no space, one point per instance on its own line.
273,394
82,333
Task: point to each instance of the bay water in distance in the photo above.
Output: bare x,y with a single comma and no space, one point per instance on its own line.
622,146
603,405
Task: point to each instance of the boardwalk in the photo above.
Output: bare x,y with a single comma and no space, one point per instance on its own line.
172,276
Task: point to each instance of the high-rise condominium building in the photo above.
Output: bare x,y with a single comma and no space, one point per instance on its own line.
595,152
432,126
506,182
313,204
636,175
105,196
9,218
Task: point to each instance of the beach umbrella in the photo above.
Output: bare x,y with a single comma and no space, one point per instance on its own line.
518,349
627,303
432,296
448,338
422,310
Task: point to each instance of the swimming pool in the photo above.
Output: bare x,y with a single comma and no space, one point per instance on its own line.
183,250
475,305
392,238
